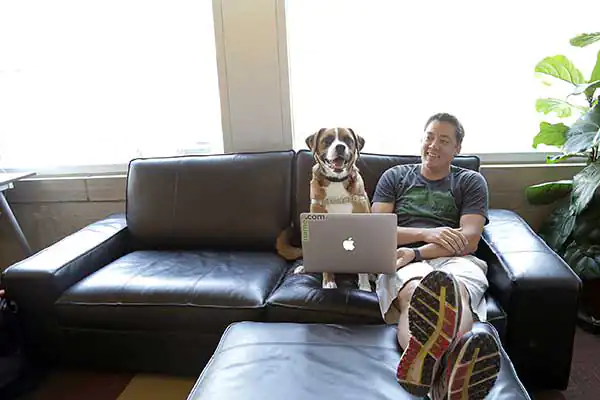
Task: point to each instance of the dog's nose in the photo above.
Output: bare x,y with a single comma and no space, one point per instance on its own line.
340,148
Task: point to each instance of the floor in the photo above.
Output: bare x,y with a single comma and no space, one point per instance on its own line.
61,385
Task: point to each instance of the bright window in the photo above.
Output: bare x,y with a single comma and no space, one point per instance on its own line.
383,67
98,82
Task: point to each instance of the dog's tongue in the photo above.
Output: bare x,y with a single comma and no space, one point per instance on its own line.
338,162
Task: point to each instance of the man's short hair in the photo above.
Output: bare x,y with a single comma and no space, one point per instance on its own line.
445,117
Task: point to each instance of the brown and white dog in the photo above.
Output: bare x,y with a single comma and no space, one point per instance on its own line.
336,187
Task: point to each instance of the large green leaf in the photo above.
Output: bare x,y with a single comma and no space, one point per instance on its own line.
560,107
548,192
585,39
580,136
583,259
565,156
589,92
551,134
558,226
560,67
585,183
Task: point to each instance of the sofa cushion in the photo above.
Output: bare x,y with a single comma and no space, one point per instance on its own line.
371,167
228,201
257,360
301,298
168,290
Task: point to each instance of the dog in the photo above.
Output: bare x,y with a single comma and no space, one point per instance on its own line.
336,187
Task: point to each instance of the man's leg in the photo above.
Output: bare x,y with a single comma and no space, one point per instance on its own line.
430,314
470,367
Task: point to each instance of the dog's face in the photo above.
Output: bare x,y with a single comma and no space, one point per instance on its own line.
336,149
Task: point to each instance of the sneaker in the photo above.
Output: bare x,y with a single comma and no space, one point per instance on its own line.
434,315
469,369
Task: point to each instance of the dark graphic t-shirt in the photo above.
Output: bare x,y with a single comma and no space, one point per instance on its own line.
423,203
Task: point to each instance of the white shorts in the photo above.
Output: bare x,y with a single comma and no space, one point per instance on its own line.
469,270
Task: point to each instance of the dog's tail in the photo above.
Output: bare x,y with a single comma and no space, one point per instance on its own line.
284,248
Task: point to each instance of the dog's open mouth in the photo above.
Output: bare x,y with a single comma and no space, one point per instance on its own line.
337,164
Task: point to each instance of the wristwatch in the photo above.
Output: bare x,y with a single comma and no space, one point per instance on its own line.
418,256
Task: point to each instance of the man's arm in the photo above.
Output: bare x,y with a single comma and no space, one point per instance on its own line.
453,240
472,228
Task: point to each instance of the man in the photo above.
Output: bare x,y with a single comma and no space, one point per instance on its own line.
439,286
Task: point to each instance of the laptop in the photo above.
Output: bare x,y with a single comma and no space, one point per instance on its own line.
349,243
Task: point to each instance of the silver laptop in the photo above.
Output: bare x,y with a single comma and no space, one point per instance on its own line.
349,243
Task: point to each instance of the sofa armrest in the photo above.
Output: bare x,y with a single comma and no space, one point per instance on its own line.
540,295
36,282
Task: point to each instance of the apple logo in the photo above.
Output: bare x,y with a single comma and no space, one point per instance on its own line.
348,244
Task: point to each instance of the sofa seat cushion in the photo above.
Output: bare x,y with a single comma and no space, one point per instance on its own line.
257,360
171,290
301,298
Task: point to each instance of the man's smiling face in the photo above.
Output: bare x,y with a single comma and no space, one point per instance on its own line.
439,145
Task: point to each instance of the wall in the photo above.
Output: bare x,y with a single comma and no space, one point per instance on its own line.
50,209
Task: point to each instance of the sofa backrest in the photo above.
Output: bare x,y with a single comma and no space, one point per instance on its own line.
210,201
371,167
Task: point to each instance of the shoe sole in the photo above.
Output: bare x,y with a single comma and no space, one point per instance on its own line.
476,368
434,315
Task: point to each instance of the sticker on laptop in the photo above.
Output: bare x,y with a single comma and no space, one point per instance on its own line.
305,230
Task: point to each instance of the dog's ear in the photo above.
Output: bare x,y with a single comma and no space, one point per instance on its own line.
360,141
312,140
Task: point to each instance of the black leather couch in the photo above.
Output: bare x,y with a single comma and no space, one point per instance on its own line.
154,289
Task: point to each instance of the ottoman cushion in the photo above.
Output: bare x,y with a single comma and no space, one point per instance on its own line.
274,361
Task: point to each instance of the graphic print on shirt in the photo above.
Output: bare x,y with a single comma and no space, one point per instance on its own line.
436,205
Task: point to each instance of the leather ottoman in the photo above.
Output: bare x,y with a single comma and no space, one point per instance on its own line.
273,361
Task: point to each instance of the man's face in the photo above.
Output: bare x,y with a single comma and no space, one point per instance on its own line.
439,145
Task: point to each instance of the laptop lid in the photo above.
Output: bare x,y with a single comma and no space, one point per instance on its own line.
349,243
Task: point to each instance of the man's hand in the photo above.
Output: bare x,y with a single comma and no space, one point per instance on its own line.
404,255
451,239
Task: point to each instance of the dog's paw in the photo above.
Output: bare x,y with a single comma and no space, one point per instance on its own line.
299,269
329,285
364,283
366,287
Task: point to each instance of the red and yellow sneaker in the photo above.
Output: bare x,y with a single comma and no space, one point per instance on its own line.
434,315
470,369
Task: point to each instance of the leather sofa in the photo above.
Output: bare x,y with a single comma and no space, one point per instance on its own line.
155,288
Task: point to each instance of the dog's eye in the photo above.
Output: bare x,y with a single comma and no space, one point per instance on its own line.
327,140
348,140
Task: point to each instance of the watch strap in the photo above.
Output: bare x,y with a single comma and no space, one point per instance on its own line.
418,256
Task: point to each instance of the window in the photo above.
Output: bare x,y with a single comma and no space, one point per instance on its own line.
101,82
383,67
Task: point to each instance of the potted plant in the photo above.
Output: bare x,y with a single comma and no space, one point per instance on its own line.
572,229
